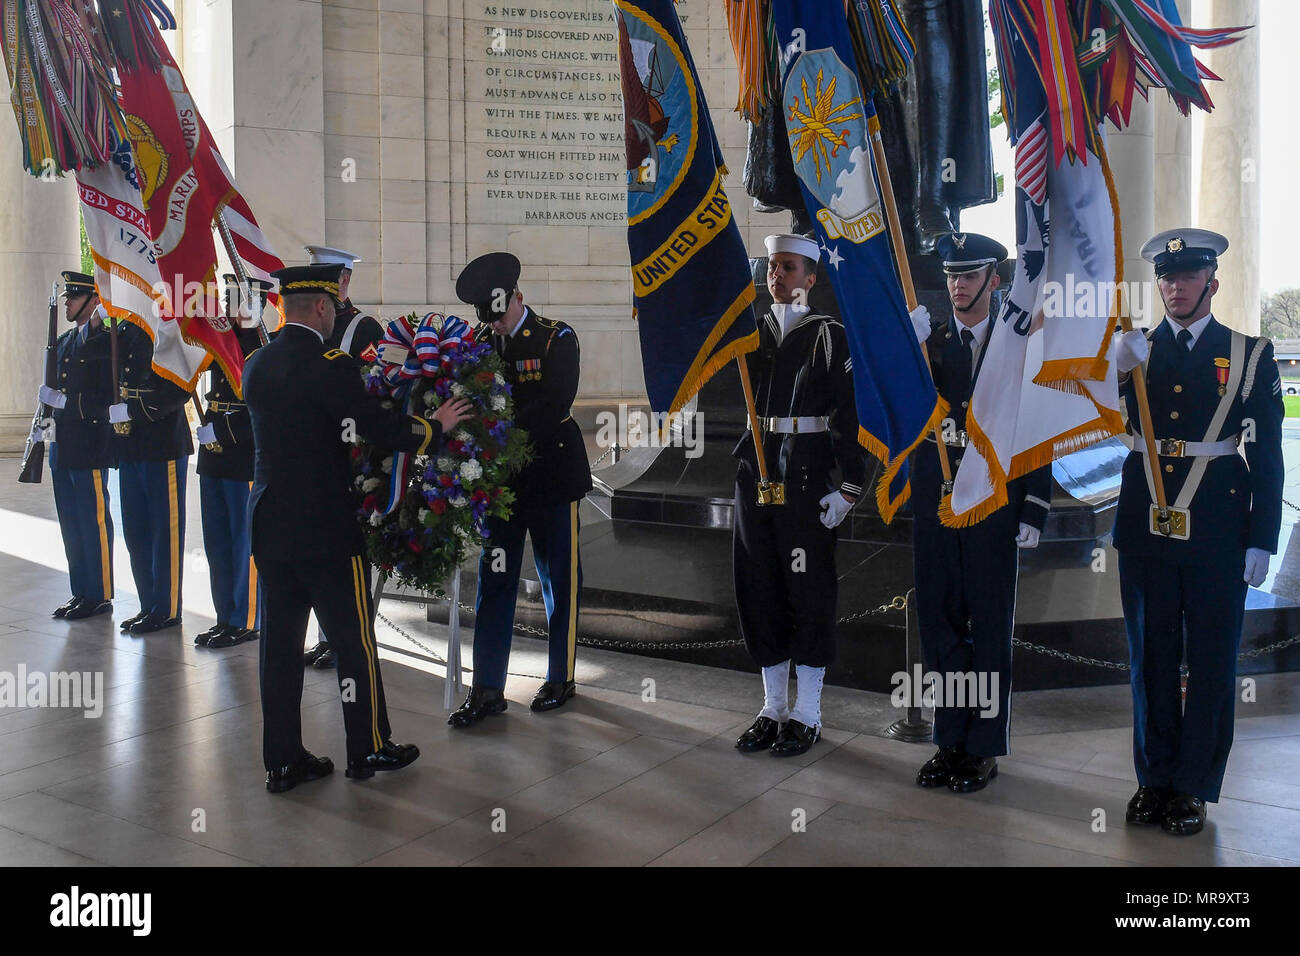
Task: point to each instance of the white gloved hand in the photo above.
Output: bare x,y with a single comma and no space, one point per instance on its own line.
920,317
835,508
207,435
38,434
119,413
1028,537
1131,350
51,397
1256,566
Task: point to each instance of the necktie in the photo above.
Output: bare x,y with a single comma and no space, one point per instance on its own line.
1184,338
962,367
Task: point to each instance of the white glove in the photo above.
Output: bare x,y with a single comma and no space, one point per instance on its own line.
1256,566
835,508
1131,350
1028,537
38,434
207,435
920,317
51,397
119,413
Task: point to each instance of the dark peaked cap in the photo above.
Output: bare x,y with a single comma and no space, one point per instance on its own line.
479,281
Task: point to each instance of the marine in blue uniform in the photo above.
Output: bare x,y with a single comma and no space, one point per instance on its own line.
1216,410
542,361
358,335
81,449
225,469
153,452
304,400
783,555
966,577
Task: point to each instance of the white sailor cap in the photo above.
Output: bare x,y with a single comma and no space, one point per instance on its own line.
799,245
325,255
1180,250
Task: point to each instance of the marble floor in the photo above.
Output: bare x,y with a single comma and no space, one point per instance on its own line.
630,773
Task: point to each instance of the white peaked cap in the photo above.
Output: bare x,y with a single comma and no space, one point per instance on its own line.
325,255
799,245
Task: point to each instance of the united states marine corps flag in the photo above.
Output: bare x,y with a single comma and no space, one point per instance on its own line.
692,286
830,123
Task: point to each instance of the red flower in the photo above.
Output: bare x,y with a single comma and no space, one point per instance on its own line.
480,495
489,423
486,455
485,377
356,453
370,503
438,506
445,481
456,445
414,545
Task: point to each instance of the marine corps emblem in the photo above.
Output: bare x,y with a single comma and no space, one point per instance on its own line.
151,158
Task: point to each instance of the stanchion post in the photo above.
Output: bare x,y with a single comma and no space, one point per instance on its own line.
454,685
912,728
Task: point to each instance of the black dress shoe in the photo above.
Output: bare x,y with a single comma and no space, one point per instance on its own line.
552,694
1184,815
131,621
326,659
63,609
309,658
760,736
481,702
972,773
201,639
390,756
85,609
232,636
938,769
309,767
795,738
1147,806
154,622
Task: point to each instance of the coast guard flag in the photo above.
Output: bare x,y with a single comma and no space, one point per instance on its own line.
692,286
830,124
1047,387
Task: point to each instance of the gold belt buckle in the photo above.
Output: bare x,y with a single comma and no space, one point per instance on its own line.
1178,525
771,493
1172,447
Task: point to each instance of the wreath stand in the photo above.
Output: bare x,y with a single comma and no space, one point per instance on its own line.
454,687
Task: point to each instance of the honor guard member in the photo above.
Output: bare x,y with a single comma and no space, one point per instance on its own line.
305,401
541,364
153,453
966,577
783,555
225,469
358,335
81,449
1216,409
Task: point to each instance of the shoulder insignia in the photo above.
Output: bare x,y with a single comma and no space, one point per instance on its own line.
336,354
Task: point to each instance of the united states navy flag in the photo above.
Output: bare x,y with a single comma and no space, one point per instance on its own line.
830,124
692,285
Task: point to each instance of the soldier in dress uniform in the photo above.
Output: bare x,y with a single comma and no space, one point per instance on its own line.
358,335
966,577
542,362
225,471
1215,396
81,449
783,555
304,400
153,453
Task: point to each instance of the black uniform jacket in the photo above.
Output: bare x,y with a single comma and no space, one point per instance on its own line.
542,362
807,373
368,331
303,400
1238,504
159,429
228,415
81,428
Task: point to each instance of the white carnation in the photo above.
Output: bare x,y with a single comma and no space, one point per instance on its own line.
422,515
498,403
377,519
498,378
426,486
444,464
430,398
457,389
471,470
387,466
459,502
462,435
370,484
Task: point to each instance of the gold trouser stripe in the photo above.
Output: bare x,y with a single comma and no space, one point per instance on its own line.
173,507
361,590
252,587
573,589
105,554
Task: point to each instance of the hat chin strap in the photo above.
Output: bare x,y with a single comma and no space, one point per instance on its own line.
978,295
1187,315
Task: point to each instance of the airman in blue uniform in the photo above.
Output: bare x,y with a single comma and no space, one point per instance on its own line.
1216,409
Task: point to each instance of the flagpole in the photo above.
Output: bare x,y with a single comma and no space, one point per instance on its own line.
1163,522
904,271
768,492
237,264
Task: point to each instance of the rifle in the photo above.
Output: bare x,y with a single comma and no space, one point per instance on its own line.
34,454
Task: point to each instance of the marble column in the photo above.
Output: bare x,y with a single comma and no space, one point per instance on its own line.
1132,162
38,240
1229,196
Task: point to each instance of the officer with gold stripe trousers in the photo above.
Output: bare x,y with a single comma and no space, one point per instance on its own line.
154,445
225,471
542,362
1216,409
307,403
81,449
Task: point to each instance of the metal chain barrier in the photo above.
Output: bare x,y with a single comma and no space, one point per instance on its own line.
1293,507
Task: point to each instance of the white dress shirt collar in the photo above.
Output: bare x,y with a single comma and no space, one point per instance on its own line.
1196,328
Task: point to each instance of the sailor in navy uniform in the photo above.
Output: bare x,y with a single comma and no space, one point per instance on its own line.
81,449
358,335
153,452
225,470
303,399
966,577
542,362
783,555
1216,409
